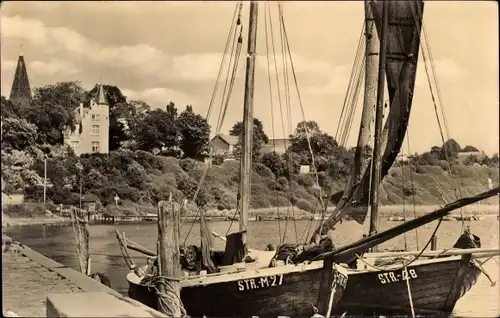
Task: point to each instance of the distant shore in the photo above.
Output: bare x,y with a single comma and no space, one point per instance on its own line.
272,213
8,221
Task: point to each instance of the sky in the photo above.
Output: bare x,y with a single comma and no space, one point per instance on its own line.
171,51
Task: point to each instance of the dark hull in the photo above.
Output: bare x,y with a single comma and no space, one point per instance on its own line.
435,288
294,297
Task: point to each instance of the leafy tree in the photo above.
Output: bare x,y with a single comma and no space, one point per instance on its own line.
469,148
259,137
450,149
426,159
305,126
112,94
53,110
321,143
276,163
156,130
9,110
194,133
17,134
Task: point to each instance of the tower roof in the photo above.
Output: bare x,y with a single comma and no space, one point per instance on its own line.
101,99
20,91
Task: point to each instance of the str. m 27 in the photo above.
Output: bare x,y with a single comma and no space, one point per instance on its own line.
260,282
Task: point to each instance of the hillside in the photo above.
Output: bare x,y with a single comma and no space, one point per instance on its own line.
141,179
179,177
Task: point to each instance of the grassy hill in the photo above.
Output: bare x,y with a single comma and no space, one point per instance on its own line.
421,185
140,179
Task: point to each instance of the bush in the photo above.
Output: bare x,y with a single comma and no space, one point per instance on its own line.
217,160
28,209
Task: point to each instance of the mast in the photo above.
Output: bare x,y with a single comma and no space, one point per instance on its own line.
370,96
377,156
246,138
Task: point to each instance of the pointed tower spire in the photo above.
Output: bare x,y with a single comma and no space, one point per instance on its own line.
20,92
101,100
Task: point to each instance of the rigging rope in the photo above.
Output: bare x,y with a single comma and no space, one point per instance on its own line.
285,51
344,124
236,22
267,15
456,185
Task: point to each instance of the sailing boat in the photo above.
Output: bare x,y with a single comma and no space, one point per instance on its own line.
241,288
421,286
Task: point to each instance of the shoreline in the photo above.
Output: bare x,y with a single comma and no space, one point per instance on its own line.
270,214
9,221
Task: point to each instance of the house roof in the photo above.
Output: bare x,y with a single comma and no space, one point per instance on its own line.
230,140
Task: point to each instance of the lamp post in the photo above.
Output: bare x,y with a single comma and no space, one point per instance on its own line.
44,181
80,169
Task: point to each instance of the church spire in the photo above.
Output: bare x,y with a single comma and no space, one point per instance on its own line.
20,92
101,99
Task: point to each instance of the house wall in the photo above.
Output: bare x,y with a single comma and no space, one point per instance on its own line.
220,147
12,199
277,145
96,115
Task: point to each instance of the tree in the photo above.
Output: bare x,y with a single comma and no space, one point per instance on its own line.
305,126
321,143
450,149
18,134
259,137
156,130
276,163
194,133
9,110
469,148
53,110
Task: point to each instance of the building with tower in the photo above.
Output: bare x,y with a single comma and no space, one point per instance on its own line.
20,92
91,133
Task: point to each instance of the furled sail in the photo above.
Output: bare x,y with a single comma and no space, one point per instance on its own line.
403,42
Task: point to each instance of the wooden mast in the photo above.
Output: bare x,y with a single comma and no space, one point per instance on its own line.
377,156
246,138
370,96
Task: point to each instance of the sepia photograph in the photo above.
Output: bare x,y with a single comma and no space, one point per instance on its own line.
250,158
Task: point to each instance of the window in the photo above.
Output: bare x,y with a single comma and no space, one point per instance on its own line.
95,130
95,146
74,144
96,117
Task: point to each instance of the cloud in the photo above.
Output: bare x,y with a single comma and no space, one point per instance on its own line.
53,67
446,70
337,84
198,67
159,97
142,58
46,68
301,64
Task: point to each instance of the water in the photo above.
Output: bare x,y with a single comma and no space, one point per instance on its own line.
57,243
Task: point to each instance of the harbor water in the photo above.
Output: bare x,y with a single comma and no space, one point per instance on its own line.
57,242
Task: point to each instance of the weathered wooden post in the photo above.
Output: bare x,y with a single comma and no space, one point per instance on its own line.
82,239
169,269
434,242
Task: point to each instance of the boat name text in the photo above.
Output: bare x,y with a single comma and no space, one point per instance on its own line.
260,282
393,277
340,279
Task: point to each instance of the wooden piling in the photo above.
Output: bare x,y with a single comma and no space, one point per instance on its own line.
434,243
169,269
82,240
